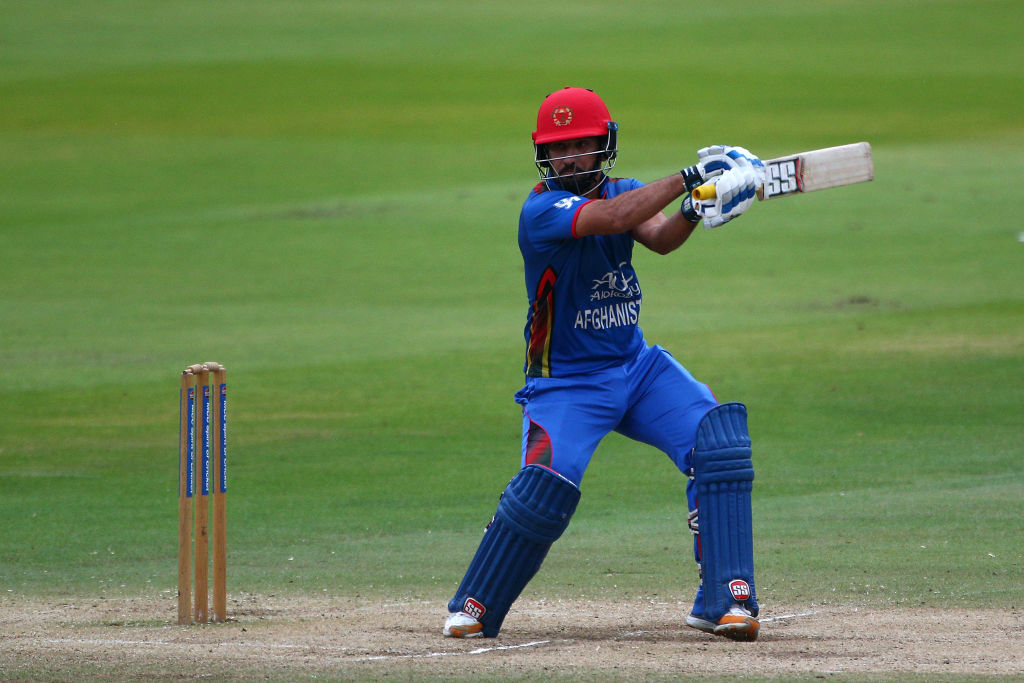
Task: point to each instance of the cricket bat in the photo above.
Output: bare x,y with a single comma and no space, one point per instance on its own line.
818,169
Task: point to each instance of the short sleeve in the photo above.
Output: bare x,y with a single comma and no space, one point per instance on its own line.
551,216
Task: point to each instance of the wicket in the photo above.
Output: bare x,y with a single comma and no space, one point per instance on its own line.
203,386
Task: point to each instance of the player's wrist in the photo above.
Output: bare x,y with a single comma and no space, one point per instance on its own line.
688,211
692,177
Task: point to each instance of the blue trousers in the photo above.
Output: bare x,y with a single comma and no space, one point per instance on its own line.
652,399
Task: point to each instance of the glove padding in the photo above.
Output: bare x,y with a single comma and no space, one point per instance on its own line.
737,175
717,159
714,161
735,191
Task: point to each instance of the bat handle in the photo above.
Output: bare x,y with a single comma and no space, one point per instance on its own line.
703,192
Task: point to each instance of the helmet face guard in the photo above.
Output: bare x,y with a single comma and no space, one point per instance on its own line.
569,114
579,182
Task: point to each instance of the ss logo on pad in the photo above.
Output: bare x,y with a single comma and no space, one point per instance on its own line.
740,589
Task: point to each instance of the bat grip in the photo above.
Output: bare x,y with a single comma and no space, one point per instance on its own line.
704,192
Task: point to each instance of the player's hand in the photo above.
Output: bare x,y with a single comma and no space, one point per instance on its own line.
735,191
717,159
712,163
694,176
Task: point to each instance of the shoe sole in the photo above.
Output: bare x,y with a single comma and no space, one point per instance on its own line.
700,624
470,631
731,627
738,628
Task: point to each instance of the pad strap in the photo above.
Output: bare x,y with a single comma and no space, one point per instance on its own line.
533,511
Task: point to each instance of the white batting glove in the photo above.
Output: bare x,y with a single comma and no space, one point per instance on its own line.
735,191
716,159
713,162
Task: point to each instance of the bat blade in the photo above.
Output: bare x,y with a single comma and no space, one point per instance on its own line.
817,169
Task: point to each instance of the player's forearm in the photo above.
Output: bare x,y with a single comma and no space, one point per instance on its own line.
664,235
630,209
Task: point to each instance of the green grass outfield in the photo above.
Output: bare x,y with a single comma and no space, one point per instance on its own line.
323,196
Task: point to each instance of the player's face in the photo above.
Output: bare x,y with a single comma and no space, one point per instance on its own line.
573,149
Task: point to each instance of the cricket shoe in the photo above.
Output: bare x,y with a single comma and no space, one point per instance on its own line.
737,624
461,625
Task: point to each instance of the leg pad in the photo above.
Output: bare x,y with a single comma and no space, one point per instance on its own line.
724,477
533,512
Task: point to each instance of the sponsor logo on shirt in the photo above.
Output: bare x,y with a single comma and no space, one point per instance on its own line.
619,283
567,202
615,284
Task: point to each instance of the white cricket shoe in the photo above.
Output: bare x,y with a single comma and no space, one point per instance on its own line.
736,624
461,625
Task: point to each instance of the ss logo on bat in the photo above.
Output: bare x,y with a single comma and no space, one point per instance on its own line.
781,177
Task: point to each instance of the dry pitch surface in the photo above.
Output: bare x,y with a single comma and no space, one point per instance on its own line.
290,639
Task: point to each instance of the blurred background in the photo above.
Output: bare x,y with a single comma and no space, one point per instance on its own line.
323,196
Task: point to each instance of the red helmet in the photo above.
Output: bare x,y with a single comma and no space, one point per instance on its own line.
572,113
568,114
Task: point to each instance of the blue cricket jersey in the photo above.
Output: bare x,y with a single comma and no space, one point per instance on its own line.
584,295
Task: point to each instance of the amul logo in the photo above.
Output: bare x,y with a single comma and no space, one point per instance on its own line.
562,116
740,589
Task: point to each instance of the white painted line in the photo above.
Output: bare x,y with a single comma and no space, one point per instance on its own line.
281,646
789,616
308,647
478,651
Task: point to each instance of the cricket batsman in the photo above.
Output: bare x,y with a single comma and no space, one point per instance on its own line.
589,370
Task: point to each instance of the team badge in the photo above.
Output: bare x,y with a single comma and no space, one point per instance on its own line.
474,608
740,589
562,116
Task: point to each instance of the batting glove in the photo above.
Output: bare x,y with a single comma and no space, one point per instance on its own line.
715,160
712,162
735,191
734,196
693,176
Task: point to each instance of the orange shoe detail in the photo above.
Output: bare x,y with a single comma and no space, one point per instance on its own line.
738,627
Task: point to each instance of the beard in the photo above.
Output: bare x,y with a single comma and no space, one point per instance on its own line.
578,182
